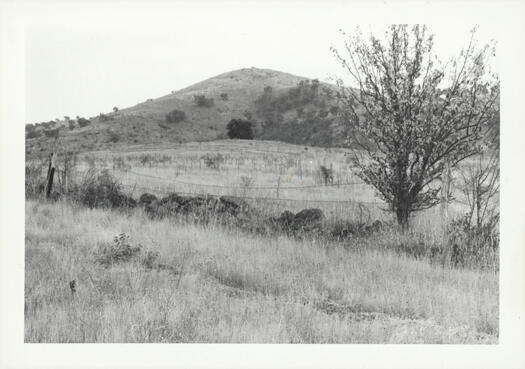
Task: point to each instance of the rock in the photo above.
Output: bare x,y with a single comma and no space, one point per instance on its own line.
308,220
147,199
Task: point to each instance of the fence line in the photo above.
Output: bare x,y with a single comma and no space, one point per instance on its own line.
243,188
164,192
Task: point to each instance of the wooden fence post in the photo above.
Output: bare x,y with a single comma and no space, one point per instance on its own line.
50,175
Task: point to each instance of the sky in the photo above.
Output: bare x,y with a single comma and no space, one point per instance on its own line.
84,59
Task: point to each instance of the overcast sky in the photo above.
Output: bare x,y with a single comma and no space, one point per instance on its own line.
83,60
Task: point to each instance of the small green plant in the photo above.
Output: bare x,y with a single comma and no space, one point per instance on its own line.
119,251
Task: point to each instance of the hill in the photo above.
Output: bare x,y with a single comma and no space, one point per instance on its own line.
283,107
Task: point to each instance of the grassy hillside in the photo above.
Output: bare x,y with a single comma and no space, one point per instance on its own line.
189,283
284,114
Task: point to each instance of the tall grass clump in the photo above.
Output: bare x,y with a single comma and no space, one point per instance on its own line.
101,190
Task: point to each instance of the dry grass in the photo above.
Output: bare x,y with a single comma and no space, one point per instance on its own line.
231,287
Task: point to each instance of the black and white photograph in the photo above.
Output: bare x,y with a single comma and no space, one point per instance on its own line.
295,173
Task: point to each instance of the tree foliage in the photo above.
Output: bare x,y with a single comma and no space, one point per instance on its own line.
416,113
175,116
240,128
83,122
203,101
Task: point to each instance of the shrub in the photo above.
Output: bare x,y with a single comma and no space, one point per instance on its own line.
104,118
327,174
472,245
224,96
48,125
213,161
35,179
101,190
120,250
115,109
83,122
33,134
203,101
52,133
240,128
71,125
113,137
120,163
175,116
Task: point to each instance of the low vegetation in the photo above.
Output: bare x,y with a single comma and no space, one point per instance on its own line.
167,281
203,101
175,116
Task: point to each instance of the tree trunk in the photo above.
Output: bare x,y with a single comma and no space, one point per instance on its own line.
402,214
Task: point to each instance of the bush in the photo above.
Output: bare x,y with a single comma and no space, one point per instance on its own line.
83,122
121,250
213,161
104,118
33,134
240,128
175,116
71,125
327,174
35,179
52,133
203,101
113,137
474,246
224,96
101,191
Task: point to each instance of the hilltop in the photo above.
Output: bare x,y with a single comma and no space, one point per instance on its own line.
283,107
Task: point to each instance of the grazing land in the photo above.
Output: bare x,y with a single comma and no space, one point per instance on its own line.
189,283
173,280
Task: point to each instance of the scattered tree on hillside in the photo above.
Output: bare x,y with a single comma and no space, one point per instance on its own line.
175,116
104,118
83,122
203,101
115,109
31,131
418,114
52,133
240,128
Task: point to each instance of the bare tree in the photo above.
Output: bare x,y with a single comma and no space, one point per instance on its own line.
479,180
411,114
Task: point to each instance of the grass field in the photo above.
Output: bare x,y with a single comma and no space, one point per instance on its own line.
194,283
271,176
224,286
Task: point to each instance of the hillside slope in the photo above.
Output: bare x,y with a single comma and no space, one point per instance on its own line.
280,104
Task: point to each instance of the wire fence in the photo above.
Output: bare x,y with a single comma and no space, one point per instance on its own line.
168,190
251,187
